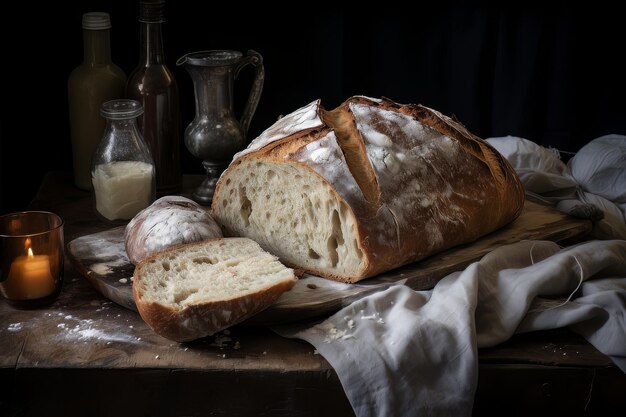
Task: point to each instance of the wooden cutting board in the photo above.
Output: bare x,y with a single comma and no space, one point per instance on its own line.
102,259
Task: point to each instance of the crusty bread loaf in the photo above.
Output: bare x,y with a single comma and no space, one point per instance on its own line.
169,221
365,188
195,290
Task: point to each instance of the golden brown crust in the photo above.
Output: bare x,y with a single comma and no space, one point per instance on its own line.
204,318
503,202
482,190
354,152
509,186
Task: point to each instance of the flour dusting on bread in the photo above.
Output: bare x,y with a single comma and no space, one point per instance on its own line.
374,185
300,120
169,221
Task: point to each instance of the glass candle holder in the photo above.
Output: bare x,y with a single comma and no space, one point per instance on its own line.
31,252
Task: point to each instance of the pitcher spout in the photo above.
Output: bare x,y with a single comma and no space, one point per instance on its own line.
213,58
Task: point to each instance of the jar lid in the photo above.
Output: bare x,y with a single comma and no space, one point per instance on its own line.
121,109
96,21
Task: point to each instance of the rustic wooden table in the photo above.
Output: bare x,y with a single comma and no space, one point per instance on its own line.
85,355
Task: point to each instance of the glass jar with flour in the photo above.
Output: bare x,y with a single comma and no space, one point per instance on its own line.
122,169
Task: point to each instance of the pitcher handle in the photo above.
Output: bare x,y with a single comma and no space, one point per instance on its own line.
256,60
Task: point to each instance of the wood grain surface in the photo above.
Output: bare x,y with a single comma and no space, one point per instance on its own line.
101,258
85,355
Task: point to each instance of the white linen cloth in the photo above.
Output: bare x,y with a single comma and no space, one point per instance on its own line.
591,185
401,352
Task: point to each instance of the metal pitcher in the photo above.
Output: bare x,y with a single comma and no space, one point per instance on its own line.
215,135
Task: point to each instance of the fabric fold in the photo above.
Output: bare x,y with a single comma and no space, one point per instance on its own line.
592,185
403,352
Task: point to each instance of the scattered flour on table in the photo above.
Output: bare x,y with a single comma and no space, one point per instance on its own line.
87,329
104,268
100,269
103,306
75,329
15,327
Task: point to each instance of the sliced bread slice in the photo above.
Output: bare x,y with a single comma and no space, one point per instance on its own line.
195,290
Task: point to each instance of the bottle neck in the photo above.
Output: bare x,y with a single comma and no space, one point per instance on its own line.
96,46
122,124
151,44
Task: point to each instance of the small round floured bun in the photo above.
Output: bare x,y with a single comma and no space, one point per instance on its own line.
169,221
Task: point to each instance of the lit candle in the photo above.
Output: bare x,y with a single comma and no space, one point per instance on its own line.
30,277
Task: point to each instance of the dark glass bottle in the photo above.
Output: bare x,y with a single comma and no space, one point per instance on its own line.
153,85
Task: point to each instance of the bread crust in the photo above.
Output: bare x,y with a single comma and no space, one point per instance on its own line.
169,221
457,188
203,318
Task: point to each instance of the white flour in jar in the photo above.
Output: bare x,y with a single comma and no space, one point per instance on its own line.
123,188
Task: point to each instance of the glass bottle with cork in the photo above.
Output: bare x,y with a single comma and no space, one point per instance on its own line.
153,84
95,81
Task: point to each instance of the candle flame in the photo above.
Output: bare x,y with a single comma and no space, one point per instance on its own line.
27,243
30,252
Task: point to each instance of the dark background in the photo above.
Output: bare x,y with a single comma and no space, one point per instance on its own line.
553,74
